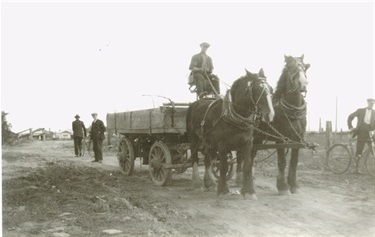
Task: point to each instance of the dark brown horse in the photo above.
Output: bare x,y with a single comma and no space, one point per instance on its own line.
219,126
289,124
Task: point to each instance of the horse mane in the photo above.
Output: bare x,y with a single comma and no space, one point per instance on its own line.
238,83
280,86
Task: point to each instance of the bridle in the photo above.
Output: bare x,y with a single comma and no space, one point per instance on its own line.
301,67
250,86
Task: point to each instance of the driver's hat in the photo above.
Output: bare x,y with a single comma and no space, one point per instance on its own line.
205,44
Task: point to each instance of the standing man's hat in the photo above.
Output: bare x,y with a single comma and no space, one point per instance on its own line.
77,116
370,100
205,44
94,114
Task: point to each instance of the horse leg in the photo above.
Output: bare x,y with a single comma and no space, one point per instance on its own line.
239,174
196,180
281,183
292,174
222,186
209,178
248,182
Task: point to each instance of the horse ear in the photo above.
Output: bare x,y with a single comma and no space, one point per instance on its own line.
248,73
302,56
261,73
286,58
307,66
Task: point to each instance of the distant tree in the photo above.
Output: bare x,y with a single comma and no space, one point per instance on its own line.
6,133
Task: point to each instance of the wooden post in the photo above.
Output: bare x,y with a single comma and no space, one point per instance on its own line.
328,134
320,125
109,136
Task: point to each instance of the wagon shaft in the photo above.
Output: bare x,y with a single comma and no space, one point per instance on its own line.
285,145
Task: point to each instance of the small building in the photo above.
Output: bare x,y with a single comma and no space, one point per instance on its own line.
64,135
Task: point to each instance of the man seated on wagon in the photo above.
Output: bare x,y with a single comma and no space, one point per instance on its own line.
201,67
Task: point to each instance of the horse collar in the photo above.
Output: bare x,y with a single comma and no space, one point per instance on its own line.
231,116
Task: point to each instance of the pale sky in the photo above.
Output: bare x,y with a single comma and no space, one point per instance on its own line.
63,58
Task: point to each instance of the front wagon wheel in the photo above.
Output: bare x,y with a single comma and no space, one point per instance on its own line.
159,157
215,167
125,155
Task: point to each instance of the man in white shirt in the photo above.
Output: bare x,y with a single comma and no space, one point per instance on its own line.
365,124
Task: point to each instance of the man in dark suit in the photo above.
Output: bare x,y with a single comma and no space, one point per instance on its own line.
97,136
201,67
365,124
79,131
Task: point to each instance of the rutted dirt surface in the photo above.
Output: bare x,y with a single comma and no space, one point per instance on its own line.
49,192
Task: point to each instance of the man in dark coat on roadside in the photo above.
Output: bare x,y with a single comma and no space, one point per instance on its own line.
97,136
365,124
79,131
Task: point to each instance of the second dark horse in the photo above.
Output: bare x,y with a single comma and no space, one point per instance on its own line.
217,127
289,124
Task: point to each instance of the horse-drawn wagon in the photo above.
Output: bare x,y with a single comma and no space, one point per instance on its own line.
155,135
240,122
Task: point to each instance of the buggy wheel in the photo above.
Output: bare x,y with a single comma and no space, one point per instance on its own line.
159,157
215,166
370,162
125,155
339,158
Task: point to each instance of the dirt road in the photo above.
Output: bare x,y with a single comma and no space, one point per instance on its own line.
49,192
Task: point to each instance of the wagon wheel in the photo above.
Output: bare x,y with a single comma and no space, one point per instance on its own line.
158,158
125,155
215,166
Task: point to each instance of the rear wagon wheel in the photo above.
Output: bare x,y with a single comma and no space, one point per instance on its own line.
125,155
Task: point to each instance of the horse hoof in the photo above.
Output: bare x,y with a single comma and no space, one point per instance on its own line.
222,191
235,192
252,197
197,186
284,193
294,191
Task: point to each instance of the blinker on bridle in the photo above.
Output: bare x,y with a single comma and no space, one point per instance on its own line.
250,86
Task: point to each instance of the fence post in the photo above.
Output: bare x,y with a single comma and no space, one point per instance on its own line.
328,134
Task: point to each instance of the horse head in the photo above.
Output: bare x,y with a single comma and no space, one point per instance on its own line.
252,94
296,69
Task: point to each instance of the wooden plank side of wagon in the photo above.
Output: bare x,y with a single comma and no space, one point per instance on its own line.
149,121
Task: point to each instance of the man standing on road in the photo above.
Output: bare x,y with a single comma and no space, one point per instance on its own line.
97,136
79,131
365,124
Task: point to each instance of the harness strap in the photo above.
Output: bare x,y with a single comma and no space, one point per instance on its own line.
292,111
205,115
